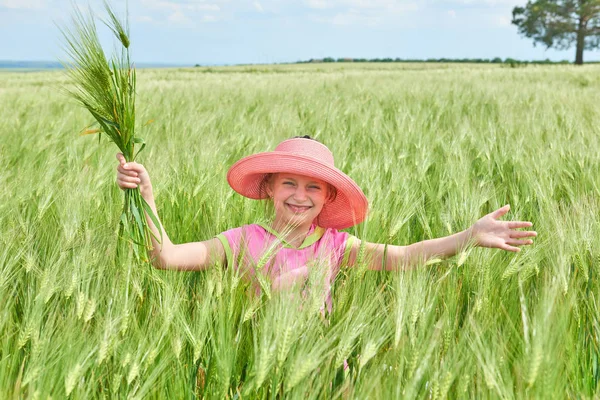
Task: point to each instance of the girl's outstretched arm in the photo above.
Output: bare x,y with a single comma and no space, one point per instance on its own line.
486,232
192,256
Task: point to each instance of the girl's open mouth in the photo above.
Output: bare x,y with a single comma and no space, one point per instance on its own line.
298,209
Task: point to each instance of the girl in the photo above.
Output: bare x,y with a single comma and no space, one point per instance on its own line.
312,201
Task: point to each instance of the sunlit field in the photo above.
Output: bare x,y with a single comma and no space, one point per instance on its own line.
434,148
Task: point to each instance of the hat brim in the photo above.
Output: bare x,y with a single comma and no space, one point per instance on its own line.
349,207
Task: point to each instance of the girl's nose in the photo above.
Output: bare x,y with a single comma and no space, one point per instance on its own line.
300,194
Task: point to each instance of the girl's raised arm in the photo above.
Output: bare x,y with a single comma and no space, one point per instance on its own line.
486,232
193,256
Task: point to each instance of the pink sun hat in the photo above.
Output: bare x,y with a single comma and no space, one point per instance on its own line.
305,157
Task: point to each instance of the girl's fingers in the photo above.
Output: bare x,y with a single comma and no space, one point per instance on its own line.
510,248
522,234
133,166
125,185
121,158
519,224
500,212
127,172
517,242
128,182
130,179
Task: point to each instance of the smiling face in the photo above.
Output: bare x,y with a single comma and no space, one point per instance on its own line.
298,199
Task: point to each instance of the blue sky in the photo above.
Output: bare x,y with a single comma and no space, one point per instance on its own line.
268,31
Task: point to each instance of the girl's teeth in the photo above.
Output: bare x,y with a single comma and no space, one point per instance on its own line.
298,209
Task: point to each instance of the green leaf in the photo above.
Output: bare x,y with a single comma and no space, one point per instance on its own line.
136,252
148,210
154,236
124,221
130,239
108,122
136,215
138,152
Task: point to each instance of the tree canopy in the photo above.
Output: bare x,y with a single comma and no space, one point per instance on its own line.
560,24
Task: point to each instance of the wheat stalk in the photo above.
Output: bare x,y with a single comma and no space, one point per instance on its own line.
106,87
71,379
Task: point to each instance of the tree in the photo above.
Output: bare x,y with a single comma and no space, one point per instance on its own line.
560,23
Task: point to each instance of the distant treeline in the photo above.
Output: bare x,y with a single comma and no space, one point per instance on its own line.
44,65
497,60
30,64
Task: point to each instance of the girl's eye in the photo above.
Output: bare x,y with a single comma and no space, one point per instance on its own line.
288,183
315,187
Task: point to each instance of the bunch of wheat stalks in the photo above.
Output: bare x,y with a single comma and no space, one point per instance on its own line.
106,88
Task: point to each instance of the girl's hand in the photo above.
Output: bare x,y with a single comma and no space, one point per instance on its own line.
131,175
489,232
290,278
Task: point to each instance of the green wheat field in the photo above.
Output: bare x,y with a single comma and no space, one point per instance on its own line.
434,148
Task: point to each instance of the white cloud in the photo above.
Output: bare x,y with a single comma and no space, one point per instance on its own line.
319,4
183,12
345,19
190,5
258,6
352,17
206,7
362,12
144,18
360,4
373,4
23,4
178,17
475,13
501,20
489,3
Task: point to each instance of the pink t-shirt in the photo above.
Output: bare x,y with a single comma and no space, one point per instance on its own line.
258,246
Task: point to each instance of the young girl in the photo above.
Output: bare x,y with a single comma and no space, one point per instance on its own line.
312,201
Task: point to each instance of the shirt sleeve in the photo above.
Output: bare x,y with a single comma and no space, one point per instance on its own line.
230,240
340,243
350,239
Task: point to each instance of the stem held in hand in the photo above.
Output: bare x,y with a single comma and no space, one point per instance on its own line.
107,88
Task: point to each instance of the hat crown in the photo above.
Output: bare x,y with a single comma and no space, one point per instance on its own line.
306,147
